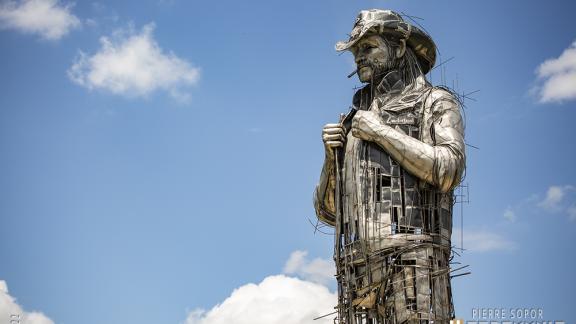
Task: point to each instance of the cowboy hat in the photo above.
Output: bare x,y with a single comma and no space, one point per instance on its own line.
390,23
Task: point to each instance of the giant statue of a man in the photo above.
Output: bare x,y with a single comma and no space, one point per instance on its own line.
388,178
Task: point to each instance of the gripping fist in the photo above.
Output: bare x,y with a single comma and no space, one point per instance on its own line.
333,136
365,125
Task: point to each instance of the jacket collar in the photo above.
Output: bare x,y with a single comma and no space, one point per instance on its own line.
391,83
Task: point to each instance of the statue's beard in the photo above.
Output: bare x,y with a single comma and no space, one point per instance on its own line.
379,69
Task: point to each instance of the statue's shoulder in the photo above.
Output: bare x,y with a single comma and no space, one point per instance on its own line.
437,94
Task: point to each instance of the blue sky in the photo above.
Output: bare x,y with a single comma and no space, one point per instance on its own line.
159,157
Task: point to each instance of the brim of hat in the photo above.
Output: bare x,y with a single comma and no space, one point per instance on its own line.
343,45
419,41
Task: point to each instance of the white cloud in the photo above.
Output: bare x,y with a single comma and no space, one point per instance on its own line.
558,199
509,214
133,64
10,310
276,300
319,270
484,241
554,197
47,18
558,77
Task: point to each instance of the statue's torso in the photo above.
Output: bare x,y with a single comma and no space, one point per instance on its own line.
393,260
383,204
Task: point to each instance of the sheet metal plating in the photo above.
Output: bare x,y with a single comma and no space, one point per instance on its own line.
387,187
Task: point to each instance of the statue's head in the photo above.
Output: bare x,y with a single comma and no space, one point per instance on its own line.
382,41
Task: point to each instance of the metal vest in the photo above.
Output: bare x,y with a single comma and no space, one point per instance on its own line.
384,205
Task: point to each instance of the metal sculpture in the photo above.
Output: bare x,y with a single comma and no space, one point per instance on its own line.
388,177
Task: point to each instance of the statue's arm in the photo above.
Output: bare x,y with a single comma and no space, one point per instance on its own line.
324,203
333,137
441,164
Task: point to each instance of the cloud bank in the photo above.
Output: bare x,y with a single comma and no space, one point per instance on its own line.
318,270
47,18
132,64
509,214
560,199
278,299
479,240
557,77
557,199
11,312
554,197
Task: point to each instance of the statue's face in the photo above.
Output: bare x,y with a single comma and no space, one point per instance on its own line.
372,57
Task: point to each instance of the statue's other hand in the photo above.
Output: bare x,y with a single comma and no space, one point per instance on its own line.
365,125
333,135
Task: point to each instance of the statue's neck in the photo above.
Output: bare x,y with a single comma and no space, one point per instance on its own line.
392,82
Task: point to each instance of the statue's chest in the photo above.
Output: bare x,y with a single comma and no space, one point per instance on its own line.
403,115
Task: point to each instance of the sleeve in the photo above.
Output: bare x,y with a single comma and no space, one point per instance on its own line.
440,160
447,133
324,203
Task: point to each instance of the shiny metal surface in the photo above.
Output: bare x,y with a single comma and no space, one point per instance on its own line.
388,178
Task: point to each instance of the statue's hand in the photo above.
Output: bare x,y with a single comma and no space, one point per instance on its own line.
366,125
333,136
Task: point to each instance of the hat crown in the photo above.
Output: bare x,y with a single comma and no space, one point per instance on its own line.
380,21
366,17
